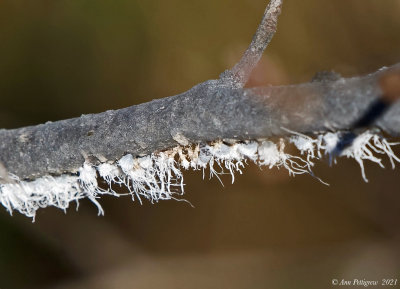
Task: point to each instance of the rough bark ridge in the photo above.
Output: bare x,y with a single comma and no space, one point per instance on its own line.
213,110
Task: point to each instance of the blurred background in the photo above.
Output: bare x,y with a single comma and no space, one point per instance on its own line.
60,59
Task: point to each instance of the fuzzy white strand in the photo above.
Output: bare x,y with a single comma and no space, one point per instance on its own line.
159,176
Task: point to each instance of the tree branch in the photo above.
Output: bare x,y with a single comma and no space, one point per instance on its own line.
240,73
212,110
209,111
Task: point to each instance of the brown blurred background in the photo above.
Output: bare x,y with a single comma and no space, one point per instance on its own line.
64,58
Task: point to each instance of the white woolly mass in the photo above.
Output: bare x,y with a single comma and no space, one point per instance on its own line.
159,176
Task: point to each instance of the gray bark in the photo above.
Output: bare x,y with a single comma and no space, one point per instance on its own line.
210,111
213,110
240,73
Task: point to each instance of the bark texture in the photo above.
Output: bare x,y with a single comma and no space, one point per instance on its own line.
210,111
213,110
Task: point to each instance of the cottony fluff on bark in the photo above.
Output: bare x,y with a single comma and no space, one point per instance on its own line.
159,176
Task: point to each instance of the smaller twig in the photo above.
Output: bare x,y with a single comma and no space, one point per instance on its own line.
240,73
